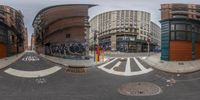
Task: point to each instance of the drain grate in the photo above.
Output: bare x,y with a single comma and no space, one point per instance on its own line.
140,89
76,69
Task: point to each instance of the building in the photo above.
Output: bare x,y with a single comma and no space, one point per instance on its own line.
155,36
33,42
62,30
180,27
26,39
11,31
122,30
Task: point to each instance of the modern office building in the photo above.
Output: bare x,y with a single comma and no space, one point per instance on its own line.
12,31
62,30
180,28
122,30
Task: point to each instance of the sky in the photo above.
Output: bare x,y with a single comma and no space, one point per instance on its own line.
30,8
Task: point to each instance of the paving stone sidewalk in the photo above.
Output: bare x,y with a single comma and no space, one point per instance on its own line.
173,66
4,62
74,63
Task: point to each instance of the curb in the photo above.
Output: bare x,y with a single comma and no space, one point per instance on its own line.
90,66
18,56
173,72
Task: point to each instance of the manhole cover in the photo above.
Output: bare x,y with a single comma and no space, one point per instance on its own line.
140,89
76,69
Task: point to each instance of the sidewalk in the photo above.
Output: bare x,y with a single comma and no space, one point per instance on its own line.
173,66
9,60
74,63
125,54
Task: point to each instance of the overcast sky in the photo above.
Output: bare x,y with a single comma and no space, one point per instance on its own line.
30,8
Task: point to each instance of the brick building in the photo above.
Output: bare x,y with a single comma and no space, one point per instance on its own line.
62,30
180,26
12,31
33,41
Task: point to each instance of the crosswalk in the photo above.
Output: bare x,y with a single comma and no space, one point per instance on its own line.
30,58
126,66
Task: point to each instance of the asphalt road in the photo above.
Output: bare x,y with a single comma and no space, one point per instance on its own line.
94,84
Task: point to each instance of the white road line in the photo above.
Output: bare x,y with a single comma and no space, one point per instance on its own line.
139,64
128,67
127,74
107,63
116,65
32,74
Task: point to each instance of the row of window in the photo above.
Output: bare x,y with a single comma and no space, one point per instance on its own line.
182,35
185,27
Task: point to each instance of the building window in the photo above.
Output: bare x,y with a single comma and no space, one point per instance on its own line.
180,36
172,35
180,27
188,28
172,27
67,35
189,36
198,37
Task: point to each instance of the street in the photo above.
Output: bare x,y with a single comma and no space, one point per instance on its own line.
23,80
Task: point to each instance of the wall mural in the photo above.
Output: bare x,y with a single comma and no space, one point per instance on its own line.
70,48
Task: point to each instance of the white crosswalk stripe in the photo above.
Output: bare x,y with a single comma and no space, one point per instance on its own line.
128,66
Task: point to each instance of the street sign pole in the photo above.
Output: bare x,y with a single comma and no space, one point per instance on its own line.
94,46
148,50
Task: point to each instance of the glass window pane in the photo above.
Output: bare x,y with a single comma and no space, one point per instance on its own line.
189,36
172,35
172,27
180,26
188,28
198,37
180,36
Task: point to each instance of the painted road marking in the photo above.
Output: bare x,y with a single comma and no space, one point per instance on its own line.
30,58
116,65
127,69
128,66
32,74
139,64
107,63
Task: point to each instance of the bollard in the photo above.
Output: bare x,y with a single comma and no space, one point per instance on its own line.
96,56
102,56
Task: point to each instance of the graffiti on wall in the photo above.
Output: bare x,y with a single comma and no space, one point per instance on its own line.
65,48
